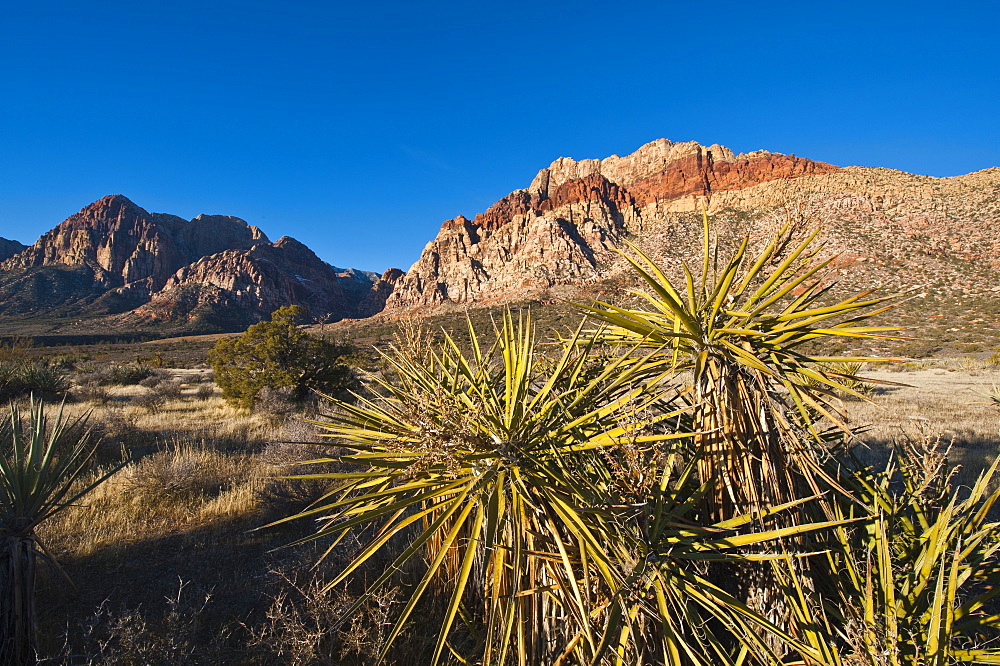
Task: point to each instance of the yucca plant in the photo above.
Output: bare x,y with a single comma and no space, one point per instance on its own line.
665,608
918,583
41,460
20,378
470,461
740,329
544,507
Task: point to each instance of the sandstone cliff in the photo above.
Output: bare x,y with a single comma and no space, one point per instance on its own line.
241,285
124,245
559,232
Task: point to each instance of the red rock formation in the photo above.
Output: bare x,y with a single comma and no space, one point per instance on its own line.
163,268
556,230
562,228
124,244
374,301
701,175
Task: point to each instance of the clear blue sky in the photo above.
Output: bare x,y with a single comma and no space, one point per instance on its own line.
358,127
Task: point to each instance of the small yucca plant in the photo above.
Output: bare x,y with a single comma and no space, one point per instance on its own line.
919,581
41,459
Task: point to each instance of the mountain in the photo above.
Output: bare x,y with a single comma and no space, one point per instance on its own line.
8,248
557,236
116,266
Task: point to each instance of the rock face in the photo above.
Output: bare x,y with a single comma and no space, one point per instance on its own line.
125,245
241,285
8,248
560,231
214,272
562,227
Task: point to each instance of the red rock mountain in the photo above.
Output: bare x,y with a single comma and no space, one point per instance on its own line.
557,235
214,272
125,245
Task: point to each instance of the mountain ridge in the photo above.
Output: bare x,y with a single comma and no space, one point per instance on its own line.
115,265
560,233
118,265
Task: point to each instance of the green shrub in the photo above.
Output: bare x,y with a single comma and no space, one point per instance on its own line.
22,378
276,354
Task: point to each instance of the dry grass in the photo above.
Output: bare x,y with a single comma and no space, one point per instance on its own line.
186,506
170,568
943,399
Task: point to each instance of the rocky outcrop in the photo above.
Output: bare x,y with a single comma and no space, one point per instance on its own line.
373,302
143,269
8,248
245,285
897,229
126,246
561,228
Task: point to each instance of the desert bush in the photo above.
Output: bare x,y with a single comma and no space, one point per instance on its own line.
20,378
91,392
118,427
204,392
152,402
151,382
170,389
15,349
185,470
277,355
303,622
122,374
130,638
284,490
277,402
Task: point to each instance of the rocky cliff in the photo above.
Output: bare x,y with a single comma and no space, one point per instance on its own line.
239,285
139,269
559,232
125,245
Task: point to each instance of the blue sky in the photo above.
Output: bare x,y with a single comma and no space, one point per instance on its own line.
358,128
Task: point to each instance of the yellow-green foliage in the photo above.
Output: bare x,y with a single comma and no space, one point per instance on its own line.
40,460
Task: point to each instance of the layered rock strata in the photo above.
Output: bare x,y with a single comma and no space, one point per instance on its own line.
562,228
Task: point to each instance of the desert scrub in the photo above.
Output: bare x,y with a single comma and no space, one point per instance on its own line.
132,637
277,355
122,374
184,486
21,378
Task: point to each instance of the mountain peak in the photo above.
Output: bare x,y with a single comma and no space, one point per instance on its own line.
119,201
